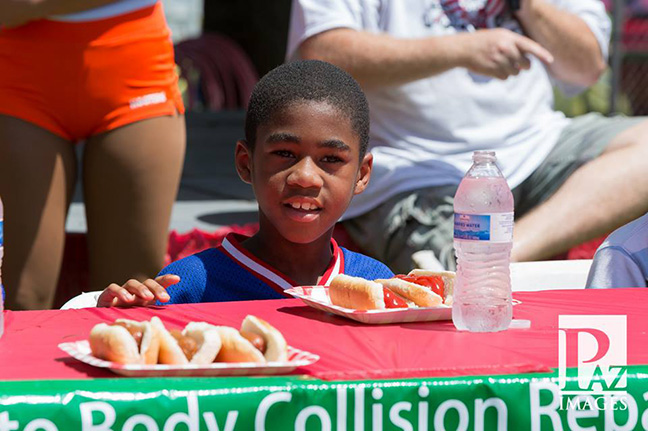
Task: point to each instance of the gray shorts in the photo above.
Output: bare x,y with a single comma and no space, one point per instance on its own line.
423,219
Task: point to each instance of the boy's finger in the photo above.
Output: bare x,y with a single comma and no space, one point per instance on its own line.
167,280
120,293
157,290
124,296
112,295
138,289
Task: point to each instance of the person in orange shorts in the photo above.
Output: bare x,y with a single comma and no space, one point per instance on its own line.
101,72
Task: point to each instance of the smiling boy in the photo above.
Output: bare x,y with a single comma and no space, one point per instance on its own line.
305,155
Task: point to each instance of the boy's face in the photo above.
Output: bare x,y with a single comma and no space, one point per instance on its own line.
305,168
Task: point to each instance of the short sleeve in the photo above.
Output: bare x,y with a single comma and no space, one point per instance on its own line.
193,280
311,17
614,267
359,265
595,16
381,271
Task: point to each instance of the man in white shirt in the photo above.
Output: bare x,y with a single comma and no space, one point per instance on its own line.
447,77
622,259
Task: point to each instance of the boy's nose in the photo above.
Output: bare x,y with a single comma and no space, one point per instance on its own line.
305,174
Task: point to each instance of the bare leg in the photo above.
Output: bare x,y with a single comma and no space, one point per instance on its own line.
37,174
131,177
602,195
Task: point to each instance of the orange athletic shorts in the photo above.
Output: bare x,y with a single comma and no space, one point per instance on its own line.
78,79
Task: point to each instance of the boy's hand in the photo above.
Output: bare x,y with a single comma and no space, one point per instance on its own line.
134,292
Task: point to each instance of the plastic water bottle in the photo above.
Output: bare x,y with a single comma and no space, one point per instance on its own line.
2,292
483,236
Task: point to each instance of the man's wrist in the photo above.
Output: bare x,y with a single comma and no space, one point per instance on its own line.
459,53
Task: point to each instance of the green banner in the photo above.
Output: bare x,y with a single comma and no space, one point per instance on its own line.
512,402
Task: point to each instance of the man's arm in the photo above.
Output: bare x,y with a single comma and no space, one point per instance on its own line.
380,59
614,267
578,58
17,12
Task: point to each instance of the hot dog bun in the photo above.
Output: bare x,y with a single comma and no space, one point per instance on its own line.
276,346
116,344
448,281
419,295
205,335
356,293
235,348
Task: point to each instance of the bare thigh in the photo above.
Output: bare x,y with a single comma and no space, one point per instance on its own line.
130,180
37,174
634,135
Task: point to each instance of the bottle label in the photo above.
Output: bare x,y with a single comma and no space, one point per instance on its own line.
1,235
495,227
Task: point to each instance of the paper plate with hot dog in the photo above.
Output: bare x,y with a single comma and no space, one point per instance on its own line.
418,296
147,349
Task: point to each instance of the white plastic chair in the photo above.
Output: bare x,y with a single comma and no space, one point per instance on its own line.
549,275
529,276
84,300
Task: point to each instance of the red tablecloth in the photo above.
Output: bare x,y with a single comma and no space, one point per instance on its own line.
348,350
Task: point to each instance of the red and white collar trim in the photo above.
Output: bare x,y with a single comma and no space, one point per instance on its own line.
335,267
231,246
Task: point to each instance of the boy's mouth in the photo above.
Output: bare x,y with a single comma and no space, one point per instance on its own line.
304,206
302,210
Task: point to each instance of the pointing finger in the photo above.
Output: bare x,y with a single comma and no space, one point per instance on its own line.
528,46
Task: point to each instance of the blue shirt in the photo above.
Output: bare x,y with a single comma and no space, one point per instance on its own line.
622,259
230,273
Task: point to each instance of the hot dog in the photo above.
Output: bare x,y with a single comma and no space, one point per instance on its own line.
419,288
197,343
442,280
275,346
423,288
131,342
257,341
360,294
125,342
237,348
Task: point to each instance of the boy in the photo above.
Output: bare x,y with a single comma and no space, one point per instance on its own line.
305,155
622,259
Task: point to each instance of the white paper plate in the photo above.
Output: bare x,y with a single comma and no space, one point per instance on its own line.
318,297
296,358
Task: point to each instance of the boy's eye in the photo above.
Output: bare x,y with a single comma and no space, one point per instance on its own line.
283,153
332,159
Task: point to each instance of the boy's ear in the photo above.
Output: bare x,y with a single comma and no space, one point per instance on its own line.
364,174
243,161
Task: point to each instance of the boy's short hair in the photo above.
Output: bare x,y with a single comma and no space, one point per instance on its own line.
308,80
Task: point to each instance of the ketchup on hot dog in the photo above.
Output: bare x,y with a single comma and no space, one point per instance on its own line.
433,282
135,332
392,300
